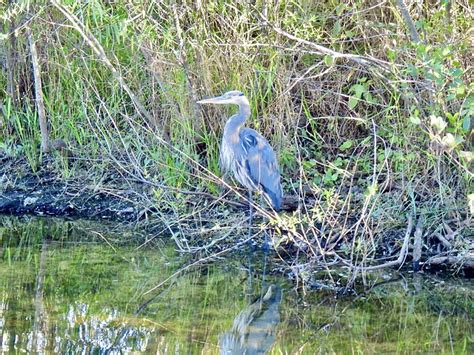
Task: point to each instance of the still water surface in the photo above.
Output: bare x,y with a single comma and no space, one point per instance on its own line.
77,287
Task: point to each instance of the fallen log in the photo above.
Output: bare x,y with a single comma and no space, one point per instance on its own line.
464,261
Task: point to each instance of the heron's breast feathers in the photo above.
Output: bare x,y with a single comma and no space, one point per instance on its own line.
226,157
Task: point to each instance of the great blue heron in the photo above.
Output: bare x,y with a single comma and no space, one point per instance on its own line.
247,154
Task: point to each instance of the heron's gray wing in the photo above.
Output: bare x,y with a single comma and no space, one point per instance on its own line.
262,164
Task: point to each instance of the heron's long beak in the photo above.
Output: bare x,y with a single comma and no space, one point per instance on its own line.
214,100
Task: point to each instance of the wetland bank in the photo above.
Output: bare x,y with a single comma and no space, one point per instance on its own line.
368,107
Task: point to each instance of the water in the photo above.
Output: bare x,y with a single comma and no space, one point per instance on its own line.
76,287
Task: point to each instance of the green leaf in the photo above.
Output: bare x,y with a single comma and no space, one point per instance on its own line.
391,54
358,89
460,90
338,162
415,120
349,34
368,96
353,102
328,60
371,190
336,28
450,97
346,145
412,70
340,8
466,124
456,72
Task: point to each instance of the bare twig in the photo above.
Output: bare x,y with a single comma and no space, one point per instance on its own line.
443,240
409,21
38,92
363,60
466,261
401,257
450,233
99,51
11,59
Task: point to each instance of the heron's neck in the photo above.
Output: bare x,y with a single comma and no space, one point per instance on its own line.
244,108
237,121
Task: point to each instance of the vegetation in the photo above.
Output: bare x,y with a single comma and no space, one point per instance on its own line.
369,106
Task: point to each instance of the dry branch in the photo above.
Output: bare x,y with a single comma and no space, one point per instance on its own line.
11,58
443,240
321,50
401,257
99,51
463,261
409,21
38,92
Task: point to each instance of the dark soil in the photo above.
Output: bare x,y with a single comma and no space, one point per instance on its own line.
46,193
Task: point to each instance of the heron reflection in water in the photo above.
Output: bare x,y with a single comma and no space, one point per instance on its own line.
254,329
247,154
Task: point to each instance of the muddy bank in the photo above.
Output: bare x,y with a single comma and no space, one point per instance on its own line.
108,195
46,193
105,196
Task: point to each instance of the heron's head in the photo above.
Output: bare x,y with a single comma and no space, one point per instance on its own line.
230,97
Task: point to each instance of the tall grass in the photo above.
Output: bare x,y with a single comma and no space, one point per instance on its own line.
355,139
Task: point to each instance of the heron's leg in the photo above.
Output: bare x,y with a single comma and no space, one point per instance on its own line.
250,244
250,213
264,273
222,188
250,281
266,246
